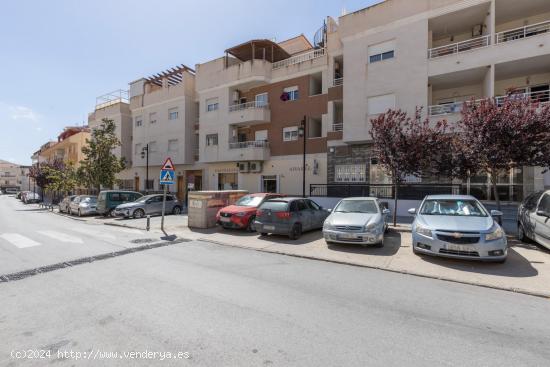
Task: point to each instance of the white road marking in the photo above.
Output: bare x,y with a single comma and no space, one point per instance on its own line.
61,236
19,240
92,233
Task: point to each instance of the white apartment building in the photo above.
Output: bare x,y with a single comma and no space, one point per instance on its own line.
115,106
13,176
437,54
163,125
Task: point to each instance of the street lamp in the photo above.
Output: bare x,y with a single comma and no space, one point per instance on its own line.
145,154
302,132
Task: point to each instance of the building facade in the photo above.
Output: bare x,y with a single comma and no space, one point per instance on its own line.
13,176
68,147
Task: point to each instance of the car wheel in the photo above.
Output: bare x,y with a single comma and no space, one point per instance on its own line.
295,232
111,213
139,213
79,213
176,210
379,244
415,251
70,212
250,227
263,234
522,236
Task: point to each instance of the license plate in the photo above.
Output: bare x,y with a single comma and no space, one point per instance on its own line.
225,219
269,228
346,235
459,248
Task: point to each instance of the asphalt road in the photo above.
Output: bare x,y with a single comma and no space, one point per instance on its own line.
228,306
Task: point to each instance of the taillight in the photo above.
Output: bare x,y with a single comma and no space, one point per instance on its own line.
283,215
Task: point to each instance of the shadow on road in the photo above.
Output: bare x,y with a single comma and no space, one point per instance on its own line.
304,239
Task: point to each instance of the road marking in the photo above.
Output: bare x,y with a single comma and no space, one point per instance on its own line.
92,233
61,236
19,240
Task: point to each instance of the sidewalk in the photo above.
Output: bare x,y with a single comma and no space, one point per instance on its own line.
527,269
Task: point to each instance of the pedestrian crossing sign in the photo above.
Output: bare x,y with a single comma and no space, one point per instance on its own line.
166,177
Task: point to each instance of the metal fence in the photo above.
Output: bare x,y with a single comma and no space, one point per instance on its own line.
385,191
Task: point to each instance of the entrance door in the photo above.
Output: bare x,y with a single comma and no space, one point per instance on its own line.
181,188
136,184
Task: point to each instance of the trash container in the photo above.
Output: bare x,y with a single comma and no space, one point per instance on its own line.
204,205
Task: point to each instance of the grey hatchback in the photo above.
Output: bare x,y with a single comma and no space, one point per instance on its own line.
289,216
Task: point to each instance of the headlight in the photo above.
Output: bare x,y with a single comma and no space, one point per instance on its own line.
326,225
495,235
423,230
369,227
84,205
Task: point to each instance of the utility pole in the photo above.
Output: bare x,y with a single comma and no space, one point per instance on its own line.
145,154
303,132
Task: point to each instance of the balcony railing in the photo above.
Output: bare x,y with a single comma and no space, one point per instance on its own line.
337,127
448,108
337,81
458,47
249,144
523,32
247,105
307,56
541,97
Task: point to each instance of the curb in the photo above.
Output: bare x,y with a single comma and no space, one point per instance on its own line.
122,225
399,271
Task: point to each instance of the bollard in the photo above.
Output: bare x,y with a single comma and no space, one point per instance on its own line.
148,222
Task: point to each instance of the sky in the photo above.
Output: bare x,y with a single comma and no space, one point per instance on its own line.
57,56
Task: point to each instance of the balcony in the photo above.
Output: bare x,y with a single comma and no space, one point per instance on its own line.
337,127
541,97
522,32
337,82
300,58
254,150
459,47
255,112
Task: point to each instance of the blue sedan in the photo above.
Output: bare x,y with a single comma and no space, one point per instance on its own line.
458,226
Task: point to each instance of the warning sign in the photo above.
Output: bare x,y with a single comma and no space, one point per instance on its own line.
168,165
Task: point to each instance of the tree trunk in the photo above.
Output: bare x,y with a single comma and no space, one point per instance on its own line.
396,186
495,191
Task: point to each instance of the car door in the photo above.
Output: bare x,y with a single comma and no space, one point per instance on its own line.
74,204
304,214
542,218
169,204
318,215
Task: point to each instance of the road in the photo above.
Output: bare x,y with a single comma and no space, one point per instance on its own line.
227,306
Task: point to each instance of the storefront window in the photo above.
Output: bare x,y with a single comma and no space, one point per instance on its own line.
269,183
227,181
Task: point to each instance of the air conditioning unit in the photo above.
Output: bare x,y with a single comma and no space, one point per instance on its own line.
243,167
255,166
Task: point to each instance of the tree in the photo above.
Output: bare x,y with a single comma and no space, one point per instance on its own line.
100,165
39,172
61,178
404,145
494,136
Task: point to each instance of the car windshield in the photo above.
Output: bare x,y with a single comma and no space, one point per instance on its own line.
249,200
357,206
90,200
455,207
276,206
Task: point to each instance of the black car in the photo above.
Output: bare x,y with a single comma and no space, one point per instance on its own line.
534,218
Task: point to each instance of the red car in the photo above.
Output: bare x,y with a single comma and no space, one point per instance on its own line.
242,213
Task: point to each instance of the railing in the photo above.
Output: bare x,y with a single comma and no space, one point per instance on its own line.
337,81
247,105
458,47
249,144
307,56
449,108
541,97
112,98
338,127
522,32
405,191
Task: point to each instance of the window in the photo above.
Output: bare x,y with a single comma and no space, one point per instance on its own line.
290,133
544,204
173,145
211,139
261,100
292,92
313,205
350,173
137,149
269,183
212,104
173,114
381,51
380,104
152,147
153,118
227,181
302,205
314,128
139,121
149,184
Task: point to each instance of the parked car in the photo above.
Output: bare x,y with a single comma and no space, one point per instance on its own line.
83,205
148,205
534,218
243,213
22,194
108,200
10,191
31,197
360,220
289,216
458,226
64,204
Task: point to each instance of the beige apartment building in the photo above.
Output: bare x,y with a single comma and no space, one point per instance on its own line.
436,54
13,176
115,106
164,124
68,147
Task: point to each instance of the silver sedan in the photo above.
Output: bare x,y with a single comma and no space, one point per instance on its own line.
83,205
360,220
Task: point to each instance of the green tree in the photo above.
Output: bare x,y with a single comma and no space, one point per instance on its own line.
62,178
100,165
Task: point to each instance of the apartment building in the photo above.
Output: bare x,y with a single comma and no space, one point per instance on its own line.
116,106
13,176
256,104
164,124
436,54
68,147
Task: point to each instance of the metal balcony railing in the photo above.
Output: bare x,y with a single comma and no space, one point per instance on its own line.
337,127
337,81
249,144
247,105
523,32
458,47
448,108
542,97
307,56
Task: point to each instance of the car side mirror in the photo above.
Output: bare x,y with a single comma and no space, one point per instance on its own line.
412,211
542,213
329,210
386,211
496,213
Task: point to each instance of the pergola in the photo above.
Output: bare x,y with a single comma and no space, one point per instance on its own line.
173,75
257,49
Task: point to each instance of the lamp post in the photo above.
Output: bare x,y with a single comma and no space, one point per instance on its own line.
145,154
302,131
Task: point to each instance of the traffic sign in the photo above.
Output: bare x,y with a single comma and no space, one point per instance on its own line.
168,165
167,177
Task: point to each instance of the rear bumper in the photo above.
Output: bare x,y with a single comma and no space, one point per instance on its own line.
272,228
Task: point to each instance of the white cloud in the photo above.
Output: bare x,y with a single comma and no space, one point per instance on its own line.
23,113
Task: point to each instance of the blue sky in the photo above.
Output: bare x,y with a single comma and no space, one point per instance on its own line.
57,56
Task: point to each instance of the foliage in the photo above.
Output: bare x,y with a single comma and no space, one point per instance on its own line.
61,179
100,166
40,172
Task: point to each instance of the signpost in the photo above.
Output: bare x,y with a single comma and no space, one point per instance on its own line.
166,178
